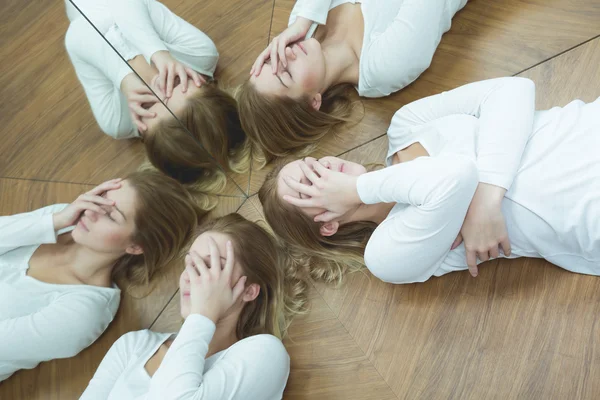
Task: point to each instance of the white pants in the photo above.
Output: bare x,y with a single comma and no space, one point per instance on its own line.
100,69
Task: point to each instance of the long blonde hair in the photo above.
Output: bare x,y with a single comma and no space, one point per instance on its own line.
283,286
166,216
279,126
217,139
329,258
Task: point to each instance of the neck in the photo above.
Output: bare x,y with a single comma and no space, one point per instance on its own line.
370,212
88,266
341,65
225,333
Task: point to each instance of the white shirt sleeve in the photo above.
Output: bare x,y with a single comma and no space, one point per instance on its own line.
112,366
63,328
411,243
133,18
26,229
251,369
505,108
314,10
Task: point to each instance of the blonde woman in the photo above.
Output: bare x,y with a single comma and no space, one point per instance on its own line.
59,264
176,59
477,164
377,46
237,294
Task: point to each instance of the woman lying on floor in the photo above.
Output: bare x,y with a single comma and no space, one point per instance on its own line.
378,46
176,59
528,183
237,295
59,264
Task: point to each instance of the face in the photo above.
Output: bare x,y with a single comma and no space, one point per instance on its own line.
304,75
110,232
294,171
201,246
176,103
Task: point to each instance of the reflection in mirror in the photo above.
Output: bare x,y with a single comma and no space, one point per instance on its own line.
164,94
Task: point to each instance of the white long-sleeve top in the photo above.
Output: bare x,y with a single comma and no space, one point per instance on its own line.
255,368
545,159
132,27
400,37
42,321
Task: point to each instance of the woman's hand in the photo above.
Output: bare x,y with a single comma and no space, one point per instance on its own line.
138,94
91,200
211,293
169,69
277,48
334,191
484,229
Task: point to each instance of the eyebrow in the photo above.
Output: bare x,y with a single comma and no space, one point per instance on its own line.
115,206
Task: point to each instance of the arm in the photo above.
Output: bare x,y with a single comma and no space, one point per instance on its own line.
314,10
133,18
112,366
240,374
505,108
409,246
26,229
59,330
405,49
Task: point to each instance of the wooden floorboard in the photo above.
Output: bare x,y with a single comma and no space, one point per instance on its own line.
524,329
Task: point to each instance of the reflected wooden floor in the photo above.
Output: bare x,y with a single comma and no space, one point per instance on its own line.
524,329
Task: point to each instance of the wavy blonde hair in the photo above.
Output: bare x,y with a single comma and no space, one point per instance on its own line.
283,285
329,258
165,219
279,126
202,145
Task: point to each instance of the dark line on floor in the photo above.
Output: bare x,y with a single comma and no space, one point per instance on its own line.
557,55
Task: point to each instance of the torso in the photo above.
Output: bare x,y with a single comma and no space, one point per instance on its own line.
344,31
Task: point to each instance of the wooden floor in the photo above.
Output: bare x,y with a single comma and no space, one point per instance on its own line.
523,329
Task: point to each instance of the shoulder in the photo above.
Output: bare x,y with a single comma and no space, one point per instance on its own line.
261,348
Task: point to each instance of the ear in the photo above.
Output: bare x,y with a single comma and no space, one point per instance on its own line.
316,101
329,228
134,249
251,292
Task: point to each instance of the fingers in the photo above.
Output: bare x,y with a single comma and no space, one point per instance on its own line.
198,262
307,190
215,257
196,77
83,206
239,287
472,262
97,199
105,186
506,249
183,78
494,252
274,60
483,255
281,46
309,173
162,79
143,98
457,242
260,60
322,170
170,79
327,216
140,125
141,111
302,203
230,259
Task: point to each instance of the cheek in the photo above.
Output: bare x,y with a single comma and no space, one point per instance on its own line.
111,236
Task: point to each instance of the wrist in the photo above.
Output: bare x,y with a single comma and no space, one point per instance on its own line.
205,312
492,194
57,222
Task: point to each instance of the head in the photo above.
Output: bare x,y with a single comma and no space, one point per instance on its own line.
288,113
331,249
152,220
206,134
272,294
